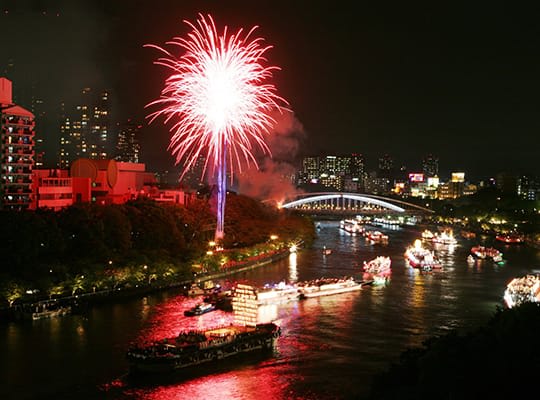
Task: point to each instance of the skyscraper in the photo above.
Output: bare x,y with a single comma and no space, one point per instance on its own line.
16,151
127,145
430,166
386,167
85,130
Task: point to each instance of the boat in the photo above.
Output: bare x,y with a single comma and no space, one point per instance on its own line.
328,286
378,269
43,311
522,290
470,259
195,290
277,294
422,258
352,226
376,237
468,234
427,235
483,252
511,238
191,349
445,237
200,309
326,252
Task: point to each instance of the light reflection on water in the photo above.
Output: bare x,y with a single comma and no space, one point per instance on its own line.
330,346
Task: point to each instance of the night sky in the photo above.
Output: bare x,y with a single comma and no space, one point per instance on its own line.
459,81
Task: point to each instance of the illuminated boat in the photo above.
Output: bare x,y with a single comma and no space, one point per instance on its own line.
277,294
326,252
427,235
378,269
445,237
43,311
200,309
376,237
327,286
422,258
510,238
191,349
482,252
522,290
468,234
352,226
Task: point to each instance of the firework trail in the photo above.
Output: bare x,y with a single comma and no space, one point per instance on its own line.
217,101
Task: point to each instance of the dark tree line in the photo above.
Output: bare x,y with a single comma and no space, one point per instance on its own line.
499,360
92,247
34,242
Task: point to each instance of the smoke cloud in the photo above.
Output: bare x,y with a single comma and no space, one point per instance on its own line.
274,179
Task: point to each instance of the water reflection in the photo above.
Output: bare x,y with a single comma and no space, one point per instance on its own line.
293,272
330,347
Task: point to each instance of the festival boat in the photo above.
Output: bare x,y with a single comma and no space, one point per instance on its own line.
352,226
190,349
522,290
427,235
277,294
376,237
511,238
482,252
470,259
326,252
200,309
468,234
378,269
422,258
445,237
328,286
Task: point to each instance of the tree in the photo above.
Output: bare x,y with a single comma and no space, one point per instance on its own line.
497,361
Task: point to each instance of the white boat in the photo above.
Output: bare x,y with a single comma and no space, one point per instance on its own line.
352,226
277,294
470,259
328,286
522,290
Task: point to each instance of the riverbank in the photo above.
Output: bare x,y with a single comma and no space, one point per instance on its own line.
85,300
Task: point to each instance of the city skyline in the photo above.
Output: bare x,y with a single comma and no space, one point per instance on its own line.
457,83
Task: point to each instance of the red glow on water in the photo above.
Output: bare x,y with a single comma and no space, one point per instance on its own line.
266,383
168,319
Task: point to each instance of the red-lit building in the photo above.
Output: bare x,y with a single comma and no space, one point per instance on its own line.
16,151
99,181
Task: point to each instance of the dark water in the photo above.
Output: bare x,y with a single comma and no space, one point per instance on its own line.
330,347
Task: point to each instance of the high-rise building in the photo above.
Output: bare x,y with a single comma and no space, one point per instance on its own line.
16,151
194,177
386,167
430,166
310,170
85,130
127,146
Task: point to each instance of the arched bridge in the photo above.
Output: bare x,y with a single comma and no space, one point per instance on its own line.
345,203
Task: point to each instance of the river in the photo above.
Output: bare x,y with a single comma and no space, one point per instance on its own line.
330,347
